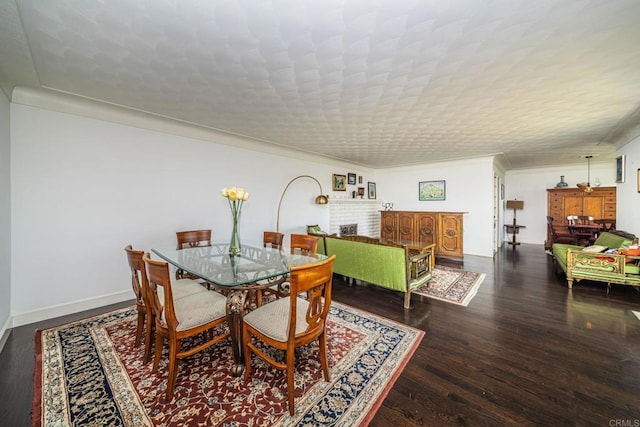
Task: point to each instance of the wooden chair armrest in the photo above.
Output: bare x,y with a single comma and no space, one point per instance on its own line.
420,264
430,249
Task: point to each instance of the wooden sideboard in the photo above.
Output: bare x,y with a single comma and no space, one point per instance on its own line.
442,228
561,202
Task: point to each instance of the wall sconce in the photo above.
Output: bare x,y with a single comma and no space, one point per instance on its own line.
320,200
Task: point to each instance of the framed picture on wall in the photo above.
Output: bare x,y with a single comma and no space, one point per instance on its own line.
372,190
339,182
431,190
351,179
620,168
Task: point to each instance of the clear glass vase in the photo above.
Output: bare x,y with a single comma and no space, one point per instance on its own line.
235,247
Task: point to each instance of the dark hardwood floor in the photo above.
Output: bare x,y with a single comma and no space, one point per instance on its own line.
526,351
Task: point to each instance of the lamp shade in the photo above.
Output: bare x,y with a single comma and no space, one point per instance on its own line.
322,200
515,204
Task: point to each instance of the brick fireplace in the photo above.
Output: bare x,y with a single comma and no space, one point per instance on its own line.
364,214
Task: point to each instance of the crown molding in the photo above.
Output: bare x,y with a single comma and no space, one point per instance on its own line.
63,102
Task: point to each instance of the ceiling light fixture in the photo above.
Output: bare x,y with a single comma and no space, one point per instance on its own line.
586,187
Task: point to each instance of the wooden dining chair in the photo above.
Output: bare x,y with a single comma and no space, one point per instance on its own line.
140,285
584,237
558,236
178,318
304,244
138,278
292,322
192,239
585,220
300,244
270,239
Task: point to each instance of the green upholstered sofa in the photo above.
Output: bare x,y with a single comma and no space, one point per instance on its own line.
392,266
604,267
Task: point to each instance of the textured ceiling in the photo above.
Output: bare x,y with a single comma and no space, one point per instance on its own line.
378,83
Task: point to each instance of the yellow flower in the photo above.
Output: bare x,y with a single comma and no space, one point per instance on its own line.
235,194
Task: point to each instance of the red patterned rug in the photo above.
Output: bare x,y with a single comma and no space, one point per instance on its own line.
88,373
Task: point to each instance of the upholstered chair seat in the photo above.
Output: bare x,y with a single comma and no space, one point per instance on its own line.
182,288
198,309
273,319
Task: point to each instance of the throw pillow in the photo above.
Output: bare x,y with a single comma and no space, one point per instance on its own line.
630,252
594,248
314,229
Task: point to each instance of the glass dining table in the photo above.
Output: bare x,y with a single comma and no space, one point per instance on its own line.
255,268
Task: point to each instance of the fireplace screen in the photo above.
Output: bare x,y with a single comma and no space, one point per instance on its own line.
348,229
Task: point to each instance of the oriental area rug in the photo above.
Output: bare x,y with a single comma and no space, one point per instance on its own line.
451,285
89,373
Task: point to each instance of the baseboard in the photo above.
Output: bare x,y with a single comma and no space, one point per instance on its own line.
5,332
69,308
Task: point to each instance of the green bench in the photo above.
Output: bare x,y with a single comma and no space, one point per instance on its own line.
393,266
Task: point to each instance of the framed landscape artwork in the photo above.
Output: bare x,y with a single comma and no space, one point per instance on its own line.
620,168
372,190
431,190
339,182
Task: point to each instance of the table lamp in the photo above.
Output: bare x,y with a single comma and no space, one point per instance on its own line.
515,205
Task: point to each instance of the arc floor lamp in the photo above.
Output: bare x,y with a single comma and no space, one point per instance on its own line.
320,200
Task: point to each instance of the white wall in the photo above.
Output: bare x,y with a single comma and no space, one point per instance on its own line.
84,188
629,191
469,188
530,185
5,218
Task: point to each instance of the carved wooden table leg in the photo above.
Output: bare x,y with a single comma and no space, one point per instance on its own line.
235,311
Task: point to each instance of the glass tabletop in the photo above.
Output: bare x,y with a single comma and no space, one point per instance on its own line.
213,263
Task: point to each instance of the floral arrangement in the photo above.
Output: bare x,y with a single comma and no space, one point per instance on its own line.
236,197
235,194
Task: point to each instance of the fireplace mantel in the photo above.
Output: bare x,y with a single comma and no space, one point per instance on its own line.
366,201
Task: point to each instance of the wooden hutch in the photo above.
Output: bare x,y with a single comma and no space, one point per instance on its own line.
442,228
561,202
